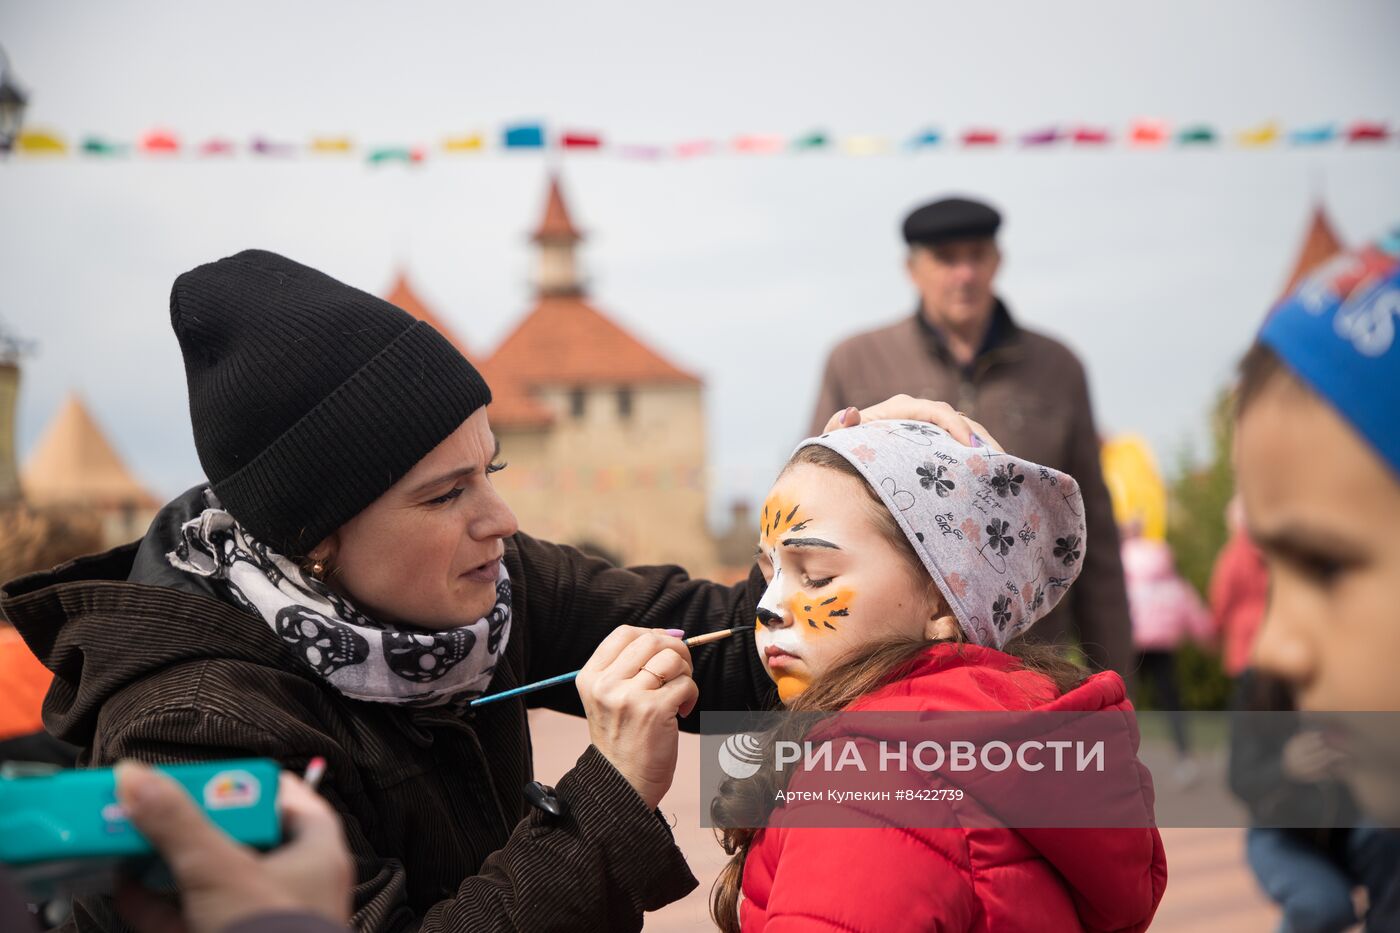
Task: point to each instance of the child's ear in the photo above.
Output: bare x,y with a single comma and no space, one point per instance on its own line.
943,627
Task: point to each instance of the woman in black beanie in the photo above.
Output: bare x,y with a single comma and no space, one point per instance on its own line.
346,580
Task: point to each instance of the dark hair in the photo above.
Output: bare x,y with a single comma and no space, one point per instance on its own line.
1259,368
885,661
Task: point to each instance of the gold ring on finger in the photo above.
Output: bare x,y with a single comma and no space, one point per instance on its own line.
660,681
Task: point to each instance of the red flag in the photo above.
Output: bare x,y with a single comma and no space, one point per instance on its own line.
1148,133
981,137
160,141
1364,132
1090,136
581,141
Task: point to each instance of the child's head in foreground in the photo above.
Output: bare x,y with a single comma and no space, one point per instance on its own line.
893,530
1317,452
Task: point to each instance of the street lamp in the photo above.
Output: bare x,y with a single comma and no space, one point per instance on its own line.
12,101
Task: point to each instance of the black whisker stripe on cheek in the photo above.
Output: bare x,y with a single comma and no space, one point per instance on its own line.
828,602
836,613
811,623
792,513
829,625
800,525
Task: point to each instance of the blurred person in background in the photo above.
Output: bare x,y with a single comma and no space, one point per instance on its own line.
1166,611
962,345
1318,462
34,539
1308,844
1239,591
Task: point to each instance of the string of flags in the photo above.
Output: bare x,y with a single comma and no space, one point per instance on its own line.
527,137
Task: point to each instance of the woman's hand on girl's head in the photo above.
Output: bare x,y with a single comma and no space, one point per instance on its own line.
633,687
908,408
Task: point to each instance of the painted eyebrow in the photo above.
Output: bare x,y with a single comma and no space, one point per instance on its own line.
455,474
809,542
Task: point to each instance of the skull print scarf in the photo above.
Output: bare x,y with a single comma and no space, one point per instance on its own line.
356,655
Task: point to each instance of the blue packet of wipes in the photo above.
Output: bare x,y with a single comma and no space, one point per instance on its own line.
64,834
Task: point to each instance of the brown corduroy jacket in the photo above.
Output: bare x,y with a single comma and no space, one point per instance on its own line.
149,667
1031,393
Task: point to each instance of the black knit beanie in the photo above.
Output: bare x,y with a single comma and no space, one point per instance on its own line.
309,398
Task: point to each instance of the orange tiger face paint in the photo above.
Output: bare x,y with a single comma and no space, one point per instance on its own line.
834,582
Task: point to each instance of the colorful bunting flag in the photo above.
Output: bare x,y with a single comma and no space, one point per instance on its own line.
94,145
473,142
926,140
645,153
266,147
1090,136
40,142
161,141
524,136
759,145
1313,135
981,137
1197,135
1364,132
813,140
581,141
694,147
395,154
1148,134
1266,134
1046,137
217,147
865,145
332,145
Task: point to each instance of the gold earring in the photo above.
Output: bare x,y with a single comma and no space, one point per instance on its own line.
318,568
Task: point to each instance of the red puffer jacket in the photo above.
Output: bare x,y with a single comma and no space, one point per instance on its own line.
984,879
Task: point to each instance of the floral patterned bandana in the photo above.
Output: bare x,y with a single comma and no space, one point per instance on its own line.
1003,538
350,651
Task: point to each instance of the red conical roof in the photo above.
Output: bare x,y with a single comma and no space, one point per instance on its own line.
403,296
566,341
556,224
1320,245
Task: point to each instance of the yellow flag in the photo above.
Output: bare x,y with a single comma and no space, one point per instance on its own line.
1139,496
332,144
41,142
473,143
1266,134
865,145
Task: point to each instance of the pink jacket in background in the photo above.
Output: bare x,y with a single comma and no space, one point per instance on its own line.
1239,590
1165,609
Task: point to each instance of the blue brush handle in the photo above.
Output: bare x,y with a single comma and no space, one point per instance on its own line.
528,688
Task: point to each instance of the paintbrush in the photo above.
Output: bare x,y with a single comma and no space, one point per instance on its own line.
693,642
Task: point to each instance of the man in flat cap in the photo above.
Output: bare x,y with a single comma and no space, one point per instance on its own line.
961,345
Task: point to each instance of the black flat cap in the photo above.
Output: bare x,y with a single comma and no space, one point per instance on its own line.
950,219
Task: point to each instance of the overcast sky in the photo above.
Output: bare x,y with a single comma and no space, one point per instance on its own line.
1154,266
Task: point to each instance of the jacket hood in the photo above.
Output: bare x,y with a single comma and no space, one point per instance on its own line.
103,622
1115,876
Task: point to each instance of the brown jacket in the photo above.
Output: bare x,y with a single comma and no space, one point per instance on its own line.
1030,392
150,665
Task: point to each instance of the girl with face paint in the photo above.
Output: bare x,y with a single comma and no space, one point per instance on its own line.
903,568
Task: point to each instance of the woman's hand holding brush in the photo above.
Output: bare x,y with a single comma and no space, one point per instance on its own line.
633,689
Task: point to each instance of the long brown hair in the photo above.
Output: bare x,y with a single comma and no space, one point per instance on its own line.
865,671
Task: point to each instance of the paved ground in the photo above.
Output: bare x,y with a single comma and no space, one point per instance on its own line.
1209,889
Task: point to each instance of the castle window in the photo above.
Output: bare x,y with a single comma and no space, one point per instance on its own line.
578,402
624,403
